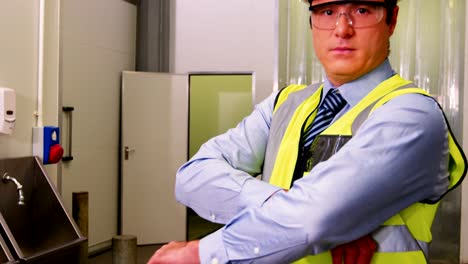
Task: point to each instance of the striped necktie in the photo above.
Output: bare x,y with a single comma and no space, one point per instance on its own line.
332,104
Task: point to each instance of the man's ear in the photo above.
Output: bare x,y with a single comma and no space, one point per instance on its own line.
394,19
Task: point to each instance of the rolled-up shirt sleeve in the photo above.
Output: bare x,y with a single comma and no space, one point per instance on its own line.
398,157
219,180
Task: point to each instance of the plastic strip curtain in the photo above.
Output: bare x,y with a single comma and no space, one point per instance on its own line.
297,61
428,48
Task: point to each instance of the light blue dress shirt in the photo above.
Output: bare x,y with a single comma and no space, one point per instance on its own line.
398,157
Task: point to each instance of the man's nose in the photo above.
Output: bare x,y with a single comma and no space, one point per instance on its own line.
344,26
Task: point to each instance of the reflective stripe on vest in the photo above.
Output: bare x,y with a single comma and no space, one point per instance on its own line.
405,237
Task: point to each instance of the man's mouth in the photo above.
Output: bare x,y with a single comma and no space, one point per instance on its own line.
342,50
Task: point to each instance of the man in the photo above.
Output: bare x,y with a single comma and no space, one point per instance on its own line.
378,168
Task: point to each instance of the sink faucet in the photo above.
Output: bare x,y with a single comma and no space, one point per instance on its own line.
19,187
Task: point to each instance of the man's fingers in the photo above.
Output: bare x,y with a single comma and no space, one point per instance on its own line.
337,254
351,253
371,243
359,251
367,247
364,257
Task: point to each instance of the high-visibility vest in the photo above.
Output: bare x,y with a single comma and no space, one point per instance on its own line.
405,237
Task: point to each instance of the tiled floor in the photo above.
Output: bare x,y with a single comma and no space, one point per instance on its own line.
144,254
197,229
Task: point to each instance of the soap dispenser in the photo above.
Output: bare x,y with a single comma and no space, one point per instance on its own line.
7,110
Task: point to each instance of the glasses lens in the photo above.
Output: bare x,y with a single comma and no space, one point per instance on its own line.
358,15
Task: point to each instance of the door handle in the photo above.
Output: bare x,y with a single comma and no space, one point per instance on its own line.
127,151
69,110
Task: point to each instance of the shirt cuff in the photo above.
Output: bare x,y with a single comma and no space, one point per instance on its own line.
211,249
256,192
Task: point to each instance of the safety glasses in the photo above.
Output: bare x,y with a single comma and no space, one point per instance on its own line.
359,14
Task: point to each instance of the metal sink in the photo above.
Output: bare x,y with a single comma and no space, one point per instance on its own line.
41,230
5,254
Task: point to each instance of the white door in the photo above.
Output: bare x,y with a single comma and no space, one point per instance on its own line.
93,53
154,145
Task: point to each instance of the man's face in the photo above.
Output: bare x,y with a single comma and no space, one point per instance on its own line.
346,52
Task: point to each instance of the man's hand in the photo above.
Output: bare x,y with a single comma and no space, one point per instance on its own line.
177,253
359,251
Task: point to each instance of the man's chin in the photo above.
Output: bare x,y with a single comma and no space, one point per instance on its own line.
342,71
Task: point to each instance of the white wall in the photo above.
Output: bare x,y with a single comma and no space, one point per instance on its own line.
239,36
19,23
18,70
99,43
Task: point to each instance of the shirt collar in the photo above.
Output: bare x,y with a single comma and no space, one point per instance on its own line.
354,91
